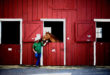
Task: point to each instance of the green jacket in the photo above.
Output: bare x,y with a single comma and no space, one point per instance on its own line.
37,46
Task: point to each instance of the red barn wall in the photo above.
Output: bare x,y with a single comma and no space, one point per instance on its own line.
76,13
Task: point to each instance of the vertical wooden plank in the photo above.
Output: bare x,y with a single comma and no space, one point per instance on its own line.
40,9
14,9
45,55
73,20
68,35
5,7
54,54
67,45
99,8
1,4
25,10
77,53
105,8
91,54
84,53
10,9
81,54
67,4
55,13
74,60
89,10
29,11
87,55
50,9
59,12
106,54
62,53
35,10
82,10
100,54
45,8
94,8
17,54
24,53
20,8
58,55
50,55
29,53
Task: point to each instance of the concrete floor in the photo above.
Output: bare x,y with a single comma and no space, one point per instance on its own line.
55,70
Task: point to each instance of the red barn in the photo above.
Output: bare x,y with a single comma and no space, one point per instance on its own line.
81,25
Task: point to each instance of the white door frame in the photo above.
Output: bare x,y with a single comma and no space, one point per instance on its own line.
98,20
64,38
14,19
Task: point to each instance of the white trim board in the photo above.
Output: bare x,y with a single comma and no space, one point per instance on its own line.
102,20
94,54
52,19
0,33
64,38
16,19
11,19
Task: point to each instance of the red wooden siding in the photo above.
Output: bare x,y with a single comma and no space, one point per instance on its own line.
31,30
28,55
76,12
85,32
9,57
53,58
67,4
102,53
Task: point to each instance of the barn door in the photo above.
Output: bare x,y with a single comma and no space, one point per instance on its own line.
10,42
31,30
102,43
53,52
85,36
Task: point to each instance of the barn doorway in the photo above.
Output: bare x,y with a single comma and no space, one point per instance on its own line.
10,41
102,52
55,28
56,50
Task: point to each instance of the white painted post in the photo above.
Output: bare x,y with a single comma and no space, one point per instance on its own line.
0,32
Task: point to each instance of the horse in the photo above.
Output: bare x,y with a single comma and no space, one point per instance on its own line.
49,36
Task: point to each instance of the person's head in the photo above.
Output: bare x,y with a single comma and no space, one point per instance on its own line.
37,41
37,38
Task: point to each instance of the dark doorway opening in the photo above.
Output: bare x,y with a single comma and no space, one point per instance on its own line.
10,32
105,26
56,28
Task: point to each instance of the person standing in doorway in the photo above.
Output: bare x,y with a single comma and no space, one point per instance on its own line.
37,48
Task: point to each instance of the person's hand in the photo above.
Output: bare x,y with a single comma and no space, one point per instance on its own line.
35,52
46,41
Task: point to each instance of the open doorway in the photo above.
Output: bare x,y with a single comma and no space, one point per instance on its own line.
102,43
11,41
55,28
10,32
102,30
56,50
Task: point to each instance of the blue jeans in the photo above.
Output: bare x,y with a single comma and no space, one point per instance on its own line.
38,55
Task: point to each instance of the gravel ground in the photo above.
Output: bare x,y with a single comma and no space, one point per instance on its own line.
30,70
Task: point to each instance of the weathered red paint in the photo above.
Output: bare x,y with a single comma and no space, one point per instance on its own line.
53,54
103,53
79,15
9,57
